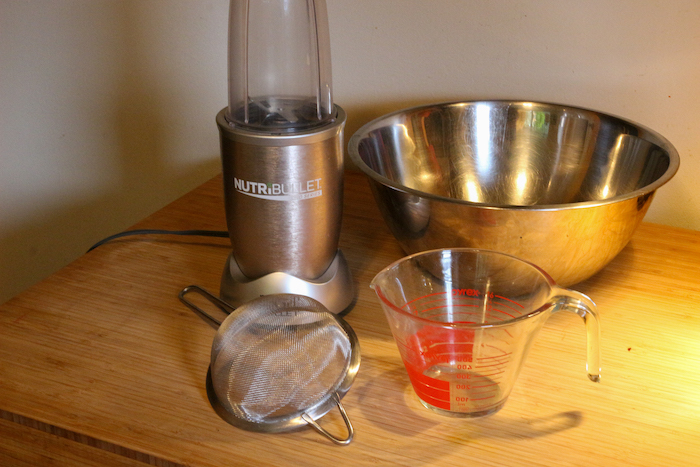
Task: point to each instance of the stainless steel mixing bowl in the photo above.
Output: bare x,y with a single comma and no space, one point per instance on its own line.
559,186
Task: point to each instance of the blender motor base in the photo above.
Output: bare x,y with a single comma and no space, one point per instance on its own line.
334,288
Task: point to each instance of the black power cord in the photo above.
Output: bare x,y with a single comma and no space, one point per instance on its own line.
200,233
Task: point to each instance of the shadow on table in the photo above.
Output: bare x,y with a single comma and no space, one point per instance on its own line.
388,401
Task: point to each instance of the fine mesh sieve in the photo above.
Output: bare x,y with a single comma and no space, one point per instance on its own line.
279,362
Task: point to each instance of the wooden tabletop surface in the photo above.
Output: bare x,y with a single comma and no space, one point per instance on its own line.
100,364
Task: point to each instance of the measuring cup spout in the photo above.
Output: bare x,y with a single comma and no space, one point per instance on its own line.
374,283
382,285
582,305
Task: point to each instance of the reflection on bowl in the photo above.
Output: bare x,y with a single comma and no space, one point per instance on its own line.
559,186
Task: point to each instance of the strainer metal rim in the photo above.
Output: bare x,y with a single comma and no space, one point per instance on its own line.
296,419
300,418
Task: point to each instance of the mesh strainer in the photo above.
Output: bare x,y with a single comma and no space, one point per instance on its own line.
279,362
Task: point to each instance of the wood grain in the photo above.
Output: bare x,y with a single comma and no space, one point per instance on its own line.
25,446
104,349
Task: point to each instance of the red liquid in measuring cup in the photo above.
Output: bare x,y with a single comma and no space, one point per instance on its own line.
454,367
456,388
446,374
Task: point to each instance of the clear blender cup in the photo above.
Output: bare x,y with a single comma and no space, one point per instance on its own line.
464,321
279,66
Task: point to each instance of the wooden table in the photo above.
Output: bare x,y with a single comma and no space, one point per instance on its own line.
100,364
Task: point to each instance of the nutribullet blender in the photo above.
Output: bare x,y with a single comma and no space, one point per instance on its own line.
282,156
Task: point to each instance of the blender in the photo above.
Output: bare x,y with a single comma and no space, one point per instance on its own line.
282,156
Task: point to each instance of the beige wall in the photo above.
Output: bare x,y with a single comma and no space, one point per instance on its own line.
107,106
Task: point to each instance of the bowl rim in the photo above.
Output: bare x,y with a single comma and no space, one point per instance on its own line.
645,133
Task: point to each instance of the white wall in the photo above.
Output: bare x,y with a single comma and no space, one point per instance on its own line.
107,106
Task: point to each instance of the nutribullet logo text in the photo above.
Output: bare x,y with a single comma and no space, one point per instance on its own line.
279,191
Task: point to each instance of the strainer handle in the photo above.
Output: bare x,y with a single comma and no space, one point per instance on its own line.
220,304
320,429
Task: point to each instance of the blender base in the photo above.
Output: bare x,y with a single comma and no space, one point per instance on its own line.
334,288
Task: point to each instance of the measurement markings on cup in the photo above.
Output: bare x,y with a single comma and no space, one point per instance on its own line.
451,367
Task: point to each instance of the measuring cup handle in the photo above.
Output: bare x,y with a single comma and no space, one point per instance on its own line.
582,305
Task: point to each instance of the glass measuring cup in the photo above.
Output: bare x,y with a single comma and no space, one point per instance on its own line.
464,320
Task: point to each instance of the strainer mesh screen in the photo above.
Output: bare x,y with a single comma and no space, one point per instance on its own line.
270,364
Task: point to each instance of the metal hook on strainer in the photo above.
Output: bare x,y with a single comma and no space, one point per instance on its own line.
278,362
